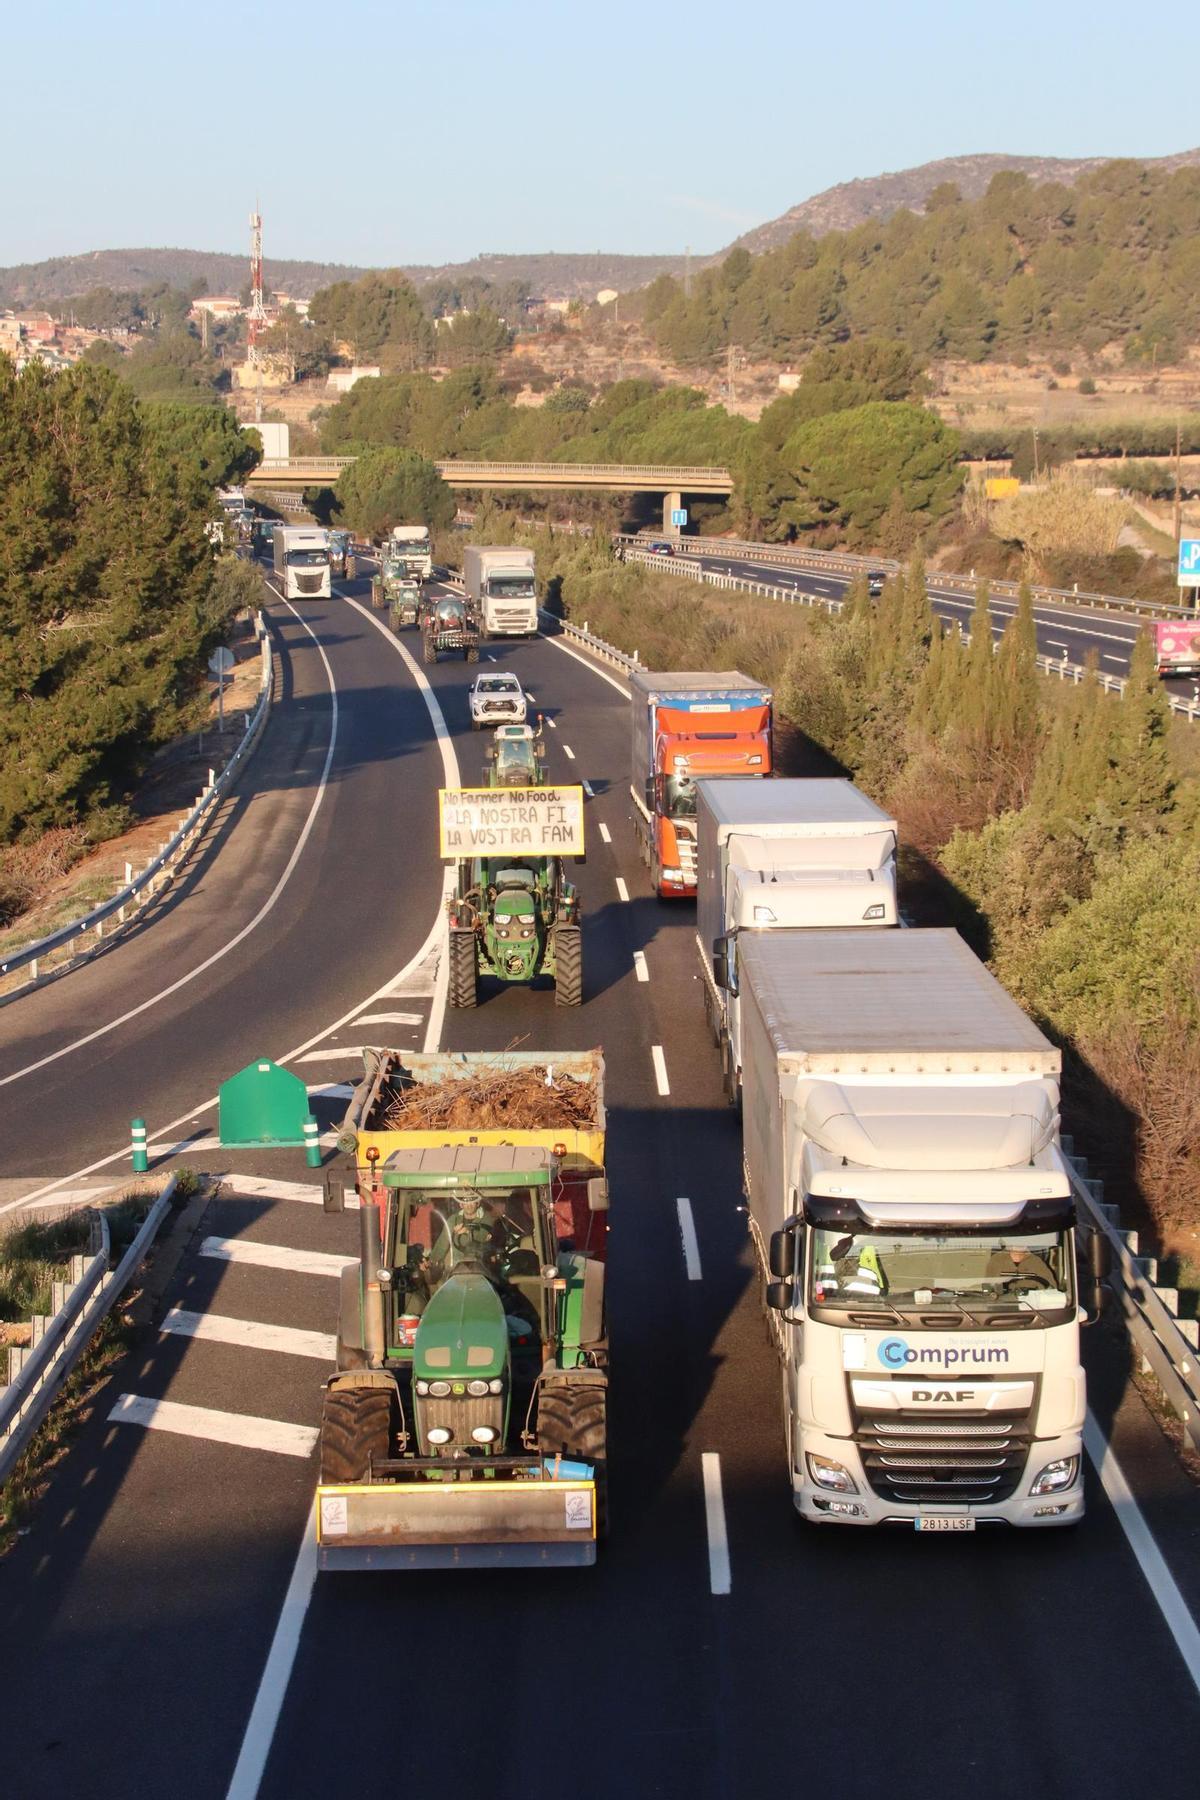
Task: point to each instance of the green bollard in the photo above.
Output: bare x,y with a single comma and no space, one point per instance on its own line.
312,1145
140,1159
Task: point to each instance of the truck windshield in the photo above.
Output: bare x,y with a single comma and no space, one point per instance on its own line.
988,1271
681,797
510,587
306,559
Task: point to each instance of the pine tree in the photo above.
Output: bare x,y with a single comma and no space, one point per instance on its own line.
1139,791
975,716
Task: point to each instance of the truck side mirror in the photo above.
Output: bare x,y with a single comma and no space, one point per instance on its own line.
779,1295
1099,1268
782,1255
723,970
597,1192
649,794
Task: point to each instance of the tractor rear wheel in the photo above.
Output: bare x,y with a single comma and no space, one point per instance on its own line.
568,965
573,1421
463,969
428,651
471,653
356,1429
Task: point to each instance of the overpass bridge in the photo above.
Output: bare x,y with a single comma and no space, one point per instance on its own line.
672,481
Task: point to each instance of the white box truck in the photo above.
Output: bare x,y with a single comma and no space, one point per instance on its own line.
410,545
501,589
302,562
782,855
913,1222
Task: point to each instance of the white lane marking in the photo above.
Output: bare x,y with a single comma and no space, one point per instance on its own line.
250,1334
569,753
532,698
605,834
390,1019
588,664
328,1055
1055,644
552,725
639,965
660,1068
1150,1559
263,1187
719,1578
587,788
330,1090
268,1702
432,945
622,890
275,1256
1121,661
242,1429
489,656
691,1244
182,1146
239,937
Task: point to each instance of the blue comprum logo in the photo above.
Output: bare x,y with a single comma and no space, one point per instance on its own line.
895,1353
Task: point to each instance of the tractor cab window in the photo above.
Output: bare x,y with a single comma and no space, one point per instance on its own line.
496,1230
515,756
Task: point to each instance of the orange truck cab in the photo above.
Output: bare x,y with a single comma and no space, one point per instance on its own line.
689,725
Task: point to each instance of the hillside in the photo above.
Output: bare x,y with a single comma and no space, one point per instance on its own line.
852,203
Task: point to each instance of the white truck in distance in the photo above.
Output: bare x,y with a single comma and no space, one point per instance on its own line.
501,589
301,562
410,543
782,855
914,1224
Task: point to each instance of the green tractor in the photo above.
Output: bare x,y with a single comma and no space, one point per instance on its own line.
466,1423
388,583
445,625
515,919
517,757
342,560
403,603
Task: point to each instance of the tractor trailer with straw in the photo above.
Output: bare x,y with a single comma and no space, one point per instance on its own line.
465,1423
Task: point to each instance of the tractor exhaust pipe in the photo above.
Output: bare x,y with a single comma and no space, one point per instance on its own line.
371,1254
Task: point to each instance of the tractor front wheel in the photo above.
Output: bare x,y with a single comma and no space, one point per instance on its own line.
568,965
428,651
463,983
572,1421
356,1430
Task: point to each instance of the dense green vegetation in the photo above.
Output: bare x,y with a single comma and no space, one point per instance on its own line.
386,321
391,487
1027,267
109,594
1053,826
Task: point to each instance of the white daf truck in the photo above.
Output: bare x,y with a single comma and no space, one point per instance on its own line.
501,589
783,855
913,1222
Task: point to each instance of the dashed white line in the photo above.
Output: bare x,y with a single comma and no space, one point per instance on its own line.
551,723
328,1054
639,965
660,1068
604,833
390,1019
622,890
532,698
569,753
691,1244
274,1256
719,1578
1121,661
331,1090
250,1334
587,788
242,1429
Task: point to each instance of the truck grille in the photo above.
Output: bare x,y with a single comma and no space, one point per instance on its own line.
509,620
917,1459
309,584
461,1416
687,856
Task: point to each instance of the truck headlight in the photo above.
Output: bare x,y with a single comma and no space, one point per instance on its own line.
754,762
829,1474
440,1434
873,912
672,874
1057,1475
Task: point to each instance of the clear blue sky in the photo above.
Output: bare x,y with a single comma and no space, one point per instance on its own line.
383,133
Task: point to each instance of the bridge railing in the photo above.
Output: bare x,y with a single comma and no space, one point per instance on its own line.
668,476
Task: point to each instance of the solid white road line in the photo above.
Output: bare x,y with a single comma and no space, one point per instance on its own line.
250,1334
394,984
660,1068
239,937
719,1578
1105,656
622,890
588,664
639,965
390,1019
1150,1559
328,1055
268,1702
691,1244
275,1256
255,1187
569,753
242,1429
330,1090
587,788
604,833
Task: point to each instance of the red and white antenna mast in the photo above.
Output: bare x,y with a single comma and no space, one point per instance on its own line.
258,312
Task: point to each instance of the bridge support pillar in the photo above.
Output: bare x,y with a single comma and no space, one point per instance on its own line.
671,504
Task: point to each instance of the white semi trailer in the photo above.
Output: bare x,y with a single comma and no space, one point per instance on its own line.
783,855
410,545
301,562
501,589
914,1225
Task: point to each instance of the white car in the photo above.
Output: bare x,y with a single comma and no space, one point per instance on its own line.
496,700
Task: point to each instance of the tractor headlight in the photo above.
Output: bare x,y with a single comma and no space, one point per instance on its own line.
439,1434
422,1388
477,1389
440,1390
502,931
527,931
495,1386
483,1434
1056,1476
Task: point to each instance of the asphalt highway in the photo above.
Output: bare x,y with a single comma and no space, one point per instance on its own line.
148,1593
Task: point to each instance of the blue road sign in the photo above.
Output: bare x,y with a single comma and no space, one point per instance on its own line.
1189,562
679,517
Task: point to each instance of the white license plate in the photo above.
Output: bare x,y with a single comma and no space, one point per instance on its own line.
945,1522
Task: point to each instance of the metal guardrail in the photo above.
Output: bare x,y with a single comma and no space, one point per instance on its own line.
37,1374
837,562
161,869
